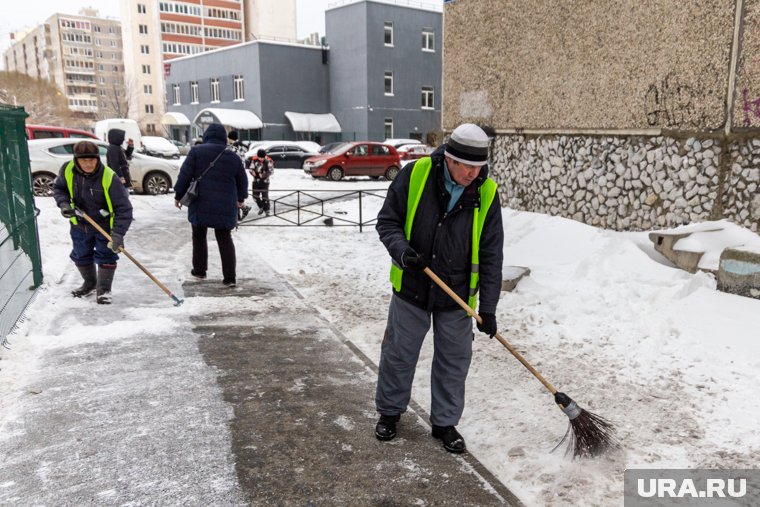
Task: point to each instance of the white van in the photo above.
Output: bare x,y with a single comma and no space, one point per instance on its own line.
130,127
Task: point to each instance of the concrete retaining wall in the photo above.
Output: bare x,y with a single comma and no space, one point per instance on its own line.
630,182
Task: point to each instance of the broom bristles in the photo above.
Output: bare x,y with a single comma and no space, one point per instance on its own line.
588,435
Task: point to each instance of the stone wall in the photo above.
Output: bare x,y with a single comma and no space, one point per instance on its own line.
630,182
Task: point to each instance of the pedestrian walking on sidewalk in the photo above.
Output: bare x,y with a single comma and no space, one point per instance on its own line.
117,157
87,186
221,191
435,229
261,168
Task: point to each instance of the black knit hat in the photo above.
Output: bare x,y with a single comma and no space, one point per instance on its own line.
468,144
233,135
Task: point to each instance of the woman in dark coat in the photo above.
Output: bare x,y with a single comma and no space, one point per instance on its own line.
221,192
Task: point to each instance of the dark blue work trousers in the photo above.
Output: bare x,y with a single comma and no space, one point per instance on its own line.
90,246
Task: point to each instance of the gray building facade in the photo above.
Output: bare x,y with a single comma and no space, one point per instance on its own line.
378,77
383,58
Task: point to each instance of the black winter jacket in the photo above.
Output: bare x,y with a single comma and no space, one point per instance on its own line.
89,196
116,157
445,239
220,189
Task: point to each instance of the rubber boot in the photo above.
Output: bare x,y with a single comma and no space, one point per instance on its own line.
105,280
90,281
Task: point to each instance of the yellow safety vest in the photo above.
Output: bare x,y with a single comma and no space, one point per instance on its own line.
419,176
108,175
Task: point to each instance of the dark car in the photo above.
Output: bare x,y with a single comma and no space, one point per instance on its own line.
355,159
288,155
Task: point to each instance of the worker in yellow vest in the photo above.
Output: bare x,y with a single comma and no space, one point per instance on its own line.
441,212
85,185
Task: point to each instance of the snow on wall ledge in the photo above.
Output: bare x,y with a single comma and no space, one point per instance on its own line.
630,183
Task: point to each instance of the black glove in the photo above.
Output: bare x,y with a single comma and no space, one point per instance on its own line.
413,260
487,324
117,242
67,211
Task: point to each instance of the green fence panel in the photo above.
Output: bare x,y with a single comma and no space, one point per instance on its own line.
20,259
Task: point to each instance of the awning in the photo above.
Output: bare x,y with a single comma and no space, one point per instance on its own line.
174,118
308,122
235,118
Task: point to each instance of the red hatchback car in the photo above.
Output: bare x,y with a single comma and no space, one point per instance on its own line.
355,159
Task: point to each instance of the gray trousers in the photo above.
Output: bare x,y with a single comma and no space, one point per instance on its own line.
452,343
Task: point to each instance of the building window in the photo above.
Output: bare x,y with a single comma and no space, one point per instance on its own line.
149,108
148,89
144,49
428,40
389,128
175,92
388,31
428,98
150,128
193,92
237,90
141,9
214,89
146,69
144,29
389,83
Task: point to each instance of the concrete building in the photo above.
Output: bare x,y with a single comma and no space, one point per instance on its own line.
81,54
160,31
380,77
385,69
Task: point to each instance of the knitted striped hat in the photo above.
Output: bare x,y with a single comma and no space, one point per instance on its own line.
468,144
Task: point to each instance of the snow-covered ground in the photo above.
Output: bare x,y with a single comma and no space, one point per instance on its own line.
658,351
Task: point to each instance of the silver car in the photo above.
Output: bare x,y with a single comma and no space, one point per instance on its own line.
46,156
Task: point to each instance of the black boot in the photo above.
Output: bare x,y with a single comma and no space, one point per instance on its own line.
452,440
105,279
386,427
90,281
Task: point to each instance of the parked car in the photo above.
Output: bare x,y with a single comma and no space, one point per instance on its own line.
396,143
46,156
183,148
158,147
409,152
48,132
355,159
130,127
284,153
330,147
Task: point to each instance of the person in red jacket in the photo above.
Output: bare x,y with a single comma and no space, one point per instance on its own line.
261,168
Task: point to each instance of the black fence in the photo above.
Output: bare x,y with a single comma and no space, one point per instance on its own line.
320,208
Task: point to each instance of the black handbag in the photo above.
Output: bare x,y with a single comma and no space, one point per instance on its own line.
191,193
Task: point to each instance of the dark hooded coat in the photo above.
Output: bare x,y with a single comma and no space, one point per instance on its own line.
223,186
116,158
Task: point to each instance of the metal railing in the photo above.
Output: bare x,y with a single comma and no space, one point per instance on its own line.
20,259
318,208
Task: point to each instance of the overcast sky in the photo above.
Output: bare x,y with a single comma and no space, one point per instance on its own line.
310,15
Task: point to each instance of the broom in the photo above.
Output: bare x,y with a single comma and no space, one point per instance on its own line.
589,434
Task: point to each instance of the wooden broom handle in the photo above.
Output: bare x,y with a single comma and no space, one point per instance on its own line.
129,256
503,341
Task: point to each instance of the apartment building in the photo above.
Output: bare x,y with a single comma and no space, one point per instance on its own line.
159,31
82,54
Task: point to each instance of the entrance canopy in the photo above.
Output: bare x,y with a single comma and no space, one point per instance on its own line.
175,119
235,118
308,122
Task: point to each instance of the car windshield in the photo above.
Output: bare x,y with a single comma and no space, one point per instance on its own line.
341,148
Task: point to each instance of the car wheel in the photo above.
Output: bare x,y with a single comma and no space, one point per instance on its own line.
156,183
335,173
391,173
42,184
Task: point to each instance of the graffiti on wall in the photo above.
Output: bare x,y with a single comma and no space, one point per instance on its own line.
674,104
750,108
